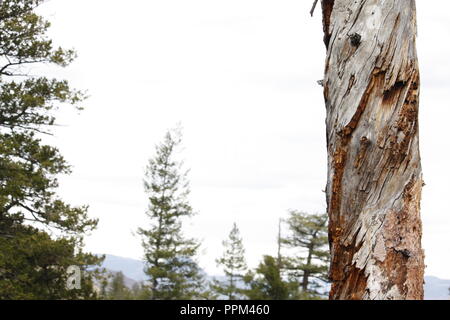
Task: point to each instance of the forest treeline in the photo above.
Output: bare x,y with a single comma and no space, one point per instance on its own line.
41,236
298,271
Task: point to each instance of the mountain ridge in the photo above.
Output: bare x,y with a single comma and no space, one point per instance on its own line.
435,288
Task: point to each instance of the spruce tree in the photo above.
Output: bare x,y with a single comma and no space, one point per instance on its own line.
308,238
139,291
117,289
171,267
40,235
234,266
267,282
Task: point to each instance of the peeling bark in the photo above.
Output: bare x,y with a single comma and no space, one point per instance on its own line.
371,91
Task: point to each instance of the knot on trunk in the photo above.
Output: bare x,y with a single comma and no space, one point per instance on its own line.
355,39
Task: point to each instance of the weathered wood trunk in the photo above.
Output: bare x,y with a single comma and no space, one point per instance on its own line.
371,90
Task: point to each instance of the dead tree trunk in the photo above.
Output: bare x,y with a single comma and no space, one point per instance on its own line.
371,90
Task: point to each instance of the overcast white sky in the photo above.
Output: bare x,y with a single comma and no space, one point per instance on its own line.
241,77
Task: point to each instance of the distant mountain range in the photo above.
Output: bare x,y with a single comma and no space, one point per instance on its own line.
133,270
436,289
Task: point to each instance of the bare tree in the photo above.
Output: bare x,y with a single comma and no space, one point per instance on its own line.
371,91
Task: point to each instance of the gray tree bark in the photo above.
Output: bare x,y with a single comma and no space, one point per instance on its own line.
371,90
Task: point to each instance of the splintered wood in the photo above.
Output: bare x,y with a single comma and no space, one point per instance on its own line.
371,90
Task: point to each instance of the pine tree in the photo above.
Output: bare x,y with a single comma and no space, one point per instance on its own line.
170,256
117,290
234,266
40,234
267,282
139,292
308,237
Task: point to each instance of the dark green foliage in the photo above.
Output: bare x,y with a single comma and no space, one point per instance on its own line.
234,266
23,38
170,256
303,274
308,237
40,234
33,266
114,287
267,283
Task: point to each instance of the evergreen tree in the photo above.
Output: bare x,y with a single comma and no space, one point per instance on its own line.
117,290
267,283
170,256
139,292
33,265
40,235
234,266
308,236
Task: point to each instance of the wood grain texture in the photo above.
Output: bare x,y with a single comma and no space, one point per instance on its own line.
371,90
